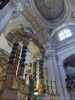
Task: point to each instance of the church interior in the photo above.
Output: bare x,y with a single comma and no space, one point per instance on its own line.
37,50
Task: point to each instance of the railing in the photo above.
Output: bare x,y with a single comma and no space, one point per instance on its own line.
70,82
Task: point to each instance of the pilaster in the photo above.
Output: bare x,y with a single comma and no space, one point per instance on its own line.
63,77
49,64
52,69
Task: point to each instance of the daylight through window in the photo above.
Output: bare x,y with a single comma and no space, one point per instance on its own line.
64,34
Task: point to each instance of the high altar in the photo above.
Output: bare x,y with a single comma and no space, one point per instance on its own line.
16,83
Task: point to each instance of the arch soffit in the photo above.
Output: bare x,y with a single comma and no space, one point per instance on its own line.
15,28
61,61
29,15
69,58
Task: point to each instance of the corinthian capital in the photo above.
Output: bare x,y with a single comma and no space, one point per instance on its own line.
48,55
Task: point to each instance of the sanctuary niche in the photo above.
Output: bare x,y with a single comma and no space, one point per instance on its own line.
26,70
15,82
25,67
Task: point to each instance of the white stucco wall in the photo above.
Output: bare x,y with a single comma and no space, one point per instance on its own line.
4,45
65,50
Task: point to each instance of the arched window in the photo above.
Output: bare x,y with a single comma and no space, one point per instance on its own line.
65,33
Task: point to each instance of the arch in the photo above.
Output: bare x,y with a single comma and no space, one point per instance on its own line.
60,27
30,17
68,54
18,29
69,58
69,65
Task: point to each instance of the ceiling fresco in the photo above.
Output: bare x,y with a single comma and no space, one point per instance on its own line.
52,13
50,9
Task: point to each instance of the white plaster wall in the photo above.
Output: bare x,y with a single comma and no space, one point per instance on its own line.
5,18
65,51
4,11
4,45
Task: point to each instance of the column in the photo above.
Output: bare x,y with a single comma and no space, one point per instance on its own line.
23,59
35,74
41,76
57,75
38,74
53,71
50,69
63,77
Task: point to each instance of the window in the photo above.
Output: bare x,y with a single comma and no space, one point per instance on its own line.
64,34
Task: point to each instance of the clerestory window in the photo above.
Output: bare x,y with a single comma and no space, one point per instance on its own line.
65,33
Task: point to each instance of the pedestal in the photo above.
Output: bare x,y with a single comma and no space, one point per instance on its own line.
10,94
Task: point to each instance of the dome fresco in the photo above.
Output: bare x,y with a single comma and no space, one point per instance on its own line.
50,9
